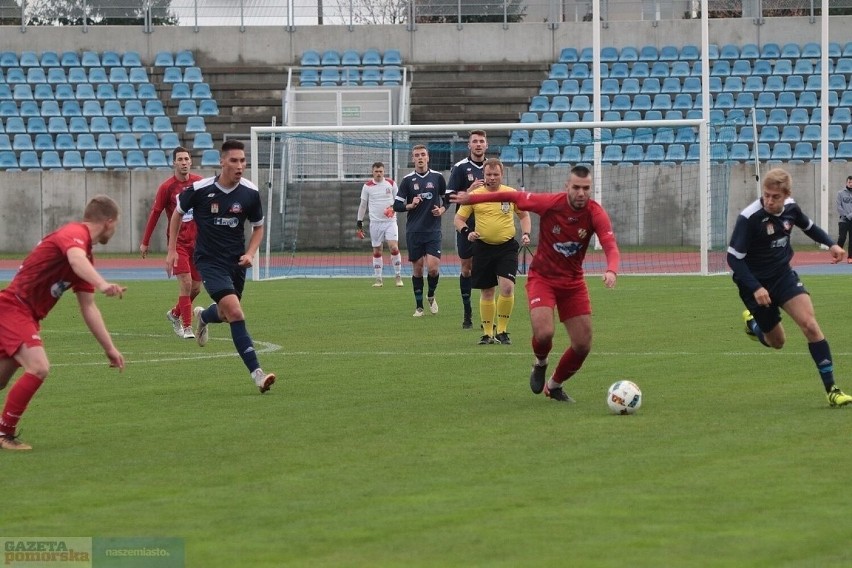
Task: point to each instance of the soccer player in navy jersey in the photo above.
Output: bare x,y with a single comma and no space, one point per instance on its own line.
221,205
759,255
555,280
189,280
421,195
466,175
60,261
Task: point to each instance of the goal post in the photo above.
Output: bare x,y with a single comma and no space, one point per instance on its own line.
666,195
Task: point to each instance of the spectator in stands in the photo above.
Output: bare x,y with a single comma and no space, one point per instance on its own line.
221,205
62,260
421,195
377,196
189,280
495,253
844,213
467,175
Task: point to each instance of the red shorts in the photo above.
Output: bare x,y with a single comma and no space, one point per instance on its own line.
17,327
570,298
184,262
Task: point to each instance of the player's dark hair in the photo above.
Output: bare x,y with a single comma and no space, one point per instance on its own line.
179,150
101,208
581,171
232,144
378,165
478,133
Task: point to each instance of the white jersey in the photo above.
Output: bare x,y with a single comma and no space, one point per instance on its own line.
379,196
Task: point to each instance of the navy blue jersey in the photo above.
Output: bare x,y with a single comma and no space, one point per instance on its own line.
760,248
431,188
220,216
463,174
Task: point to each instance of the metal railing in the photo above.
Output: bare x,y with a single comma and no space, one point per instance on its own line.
411,13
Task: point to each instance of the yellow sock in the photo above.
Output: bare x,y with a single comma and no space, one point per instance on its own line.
486,314
505,304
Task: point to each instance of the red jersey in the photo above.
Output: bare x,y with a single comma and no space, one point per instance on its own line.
564,232
166,200
46,273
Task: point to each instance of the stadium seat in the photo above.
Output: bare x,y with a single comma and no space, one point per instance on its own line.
99,125
803,67
140,124
721,68
128,141
97,75
621,103
172,75
161,124
551,155
77,75
761,68
192,75
371,56
157,159
791,51
353,58
8,160
309,77
782,67
799,116
739,152
90,59
92,108
105,91
840,116
210,159
741,68
43,142
392,57
549,117
154,108
64,142
28,160
770,51
202,91
329,76
769,133
202,141
640,70
549,87
110,108
135,159
560,103
149,141
21,142
619,71
733,84
587,87
22,92
72,159
69,59
138,75
84,92
125,91
612,154
184,58
5,142
786,99
56,75
36,125
9,59
777,117
169,141
50,160
724,101
164,59
107,141
131,59
114,159
766,100
110,59
774,84
36,75
77,124
650,86
837,82
782,151
844,65
15,125
133,108
187,107
510,154
581,103
50,108
579,71
330,57
93,159
28,109
791,133
844,151
835,132
803,151
811,133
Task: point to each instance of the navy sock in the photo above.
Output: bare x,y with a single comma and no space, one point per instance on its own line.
465,287
758,333
211,314
433,283
821,354
417,285
244,345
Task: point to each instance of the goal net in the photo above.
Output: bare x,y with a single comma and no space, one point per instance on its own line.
667,198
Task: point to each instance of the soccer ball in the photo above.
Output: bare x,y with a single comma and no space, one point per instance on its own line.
624,397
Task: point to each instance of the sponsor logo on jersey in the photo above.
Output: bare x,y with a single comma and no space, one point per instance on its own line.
568,249
582,233
235,208
59,288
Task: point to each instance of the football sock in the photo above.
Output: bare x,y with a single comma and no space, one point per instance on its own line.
487,309
569,363
396,260
17,400
185,304
417,285
505,304
211,314
377,265
541,349
551,384
465,287
245,346
758,333
821,354
432,281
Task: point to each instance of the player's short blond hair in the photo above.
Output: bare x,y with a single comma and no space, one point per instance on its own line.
101,208
778,178
493,163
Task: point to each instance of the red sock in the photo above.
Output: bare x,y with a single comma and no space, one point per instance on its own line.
185,304
569,363
17,400
541,350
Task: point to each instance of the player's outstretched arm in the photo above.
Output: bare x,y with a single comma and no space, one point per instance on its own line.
95,322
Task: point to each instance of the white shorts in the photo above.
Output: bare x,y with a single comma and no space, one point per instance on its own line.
381,231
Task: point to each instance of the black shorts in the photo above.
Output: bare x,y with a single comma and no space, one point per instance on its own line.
221,277
491,261
463,246
781,290
421,244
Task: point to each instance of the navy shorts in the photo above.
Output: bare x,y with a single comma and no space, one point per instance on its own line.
781,290
221,278
421,244
491,261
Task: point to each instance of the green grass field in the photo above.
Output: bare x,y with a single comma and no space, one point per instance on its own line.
394,441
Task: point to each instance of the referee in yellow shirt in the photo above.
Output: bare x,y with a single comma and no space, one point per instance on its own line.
495,253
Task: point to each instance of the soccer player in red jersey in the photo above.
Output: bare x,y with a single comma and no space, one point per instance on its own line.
555,279
188,277
62,260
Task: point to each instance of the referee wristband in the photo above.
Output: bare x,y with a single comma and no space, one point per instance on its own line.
464,231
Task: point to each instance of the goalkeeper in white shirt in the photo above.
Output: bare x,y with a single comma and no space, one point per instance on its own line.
377,196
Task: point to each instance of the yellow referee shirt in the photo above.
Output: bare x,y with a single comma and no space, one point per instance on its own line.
495,221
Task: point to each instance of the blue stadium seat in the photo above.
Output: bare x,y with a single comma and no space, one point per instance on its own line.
769,133
329,76
49,59
782,67
9,59
28,109
835,132
192,75
172,75
782,151
724,101
135,159
22,142
739,152
131,59
5,142
114,160
729,51
721,68
670,85
733,84
309,77
36,125
110,59
659,69
8,160
69,59
184,58
844,151
654,153
164,59
105,91
202,141
750,51
774,83
786,99
92,108
90,59
141,124
811,133
571,155
63,92
612,154
675,153
210,159
540,137
770,51
118,75
93,159
791,133
753,84
56,75
148,141
77,75
84,92
581,103
680,69
72,159
539,103
837,82
392,57
371,56
371,76
187,107
28,160
353,58
43,142
99,125
578,71
154,108
97,75
202,91
689,52
58,124
777,117
15,125
133,108
669,53
560,103
530,155
208,107
761,68
586,55
712,52
510,155
662,102
36,75
107,141
128,141
110,108
640,70
138,75
65,141
803,67
391,76
22,92
791,51
161,124
50,108
50,160
648,53
844,65
330,57
741,68
829,150
169,141
157,159
549,87
803,151
674,115
650,86
632,154
799,116
766,100
551,155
